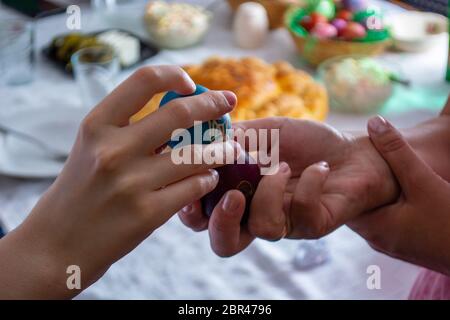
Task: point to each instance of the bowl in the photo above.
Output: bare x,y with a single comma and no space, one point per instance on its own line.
356,84
176,25
416,31
315,51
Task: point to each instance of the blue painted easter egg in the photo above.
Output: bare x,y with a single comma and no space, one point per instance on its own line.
205,133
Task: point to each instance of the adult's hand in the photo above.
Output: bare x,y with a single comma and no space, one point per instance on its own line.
415,228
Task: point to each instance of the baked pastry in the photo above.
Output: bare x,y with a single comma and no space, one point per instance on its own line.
263,90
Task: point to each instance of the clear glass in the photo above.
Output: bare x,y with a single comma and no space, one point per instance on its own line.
96,70
16,51
311,254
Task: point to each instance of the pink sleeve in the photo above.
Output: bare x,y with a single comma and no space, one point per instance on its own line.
431,285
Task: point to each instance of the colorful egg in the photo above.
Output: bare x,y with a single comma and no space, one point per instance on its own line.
370,18
353,31
324,31
345,15
244,177
309,22
324,7
198,134
339,24
355,5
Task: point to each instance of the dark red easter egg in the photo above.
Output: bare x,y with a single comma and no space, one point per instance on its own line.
244,177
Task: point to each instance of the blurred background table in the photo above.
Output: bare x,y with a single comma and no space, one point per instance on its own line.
175,263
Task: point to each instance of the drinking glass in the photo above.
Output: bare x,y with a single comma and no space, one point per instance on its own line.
16,51
95,70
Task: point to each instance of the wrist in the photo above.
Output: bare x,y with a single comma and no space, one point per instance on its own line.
381,187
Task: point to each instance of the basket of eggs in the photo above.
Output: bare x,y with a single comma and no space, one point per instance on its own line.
324,29
275,9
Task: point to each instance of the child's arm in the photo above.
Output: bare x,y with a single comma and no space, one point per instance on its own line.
114,190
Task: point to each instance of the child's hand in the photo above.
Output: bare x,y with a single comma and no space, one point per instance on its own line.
415,228
115,189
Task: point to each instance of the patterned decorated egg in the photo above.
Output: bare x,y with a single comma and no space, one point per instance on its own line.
199,134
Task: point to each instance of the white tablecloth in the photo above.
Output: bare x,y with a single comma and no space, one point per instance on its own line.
175,263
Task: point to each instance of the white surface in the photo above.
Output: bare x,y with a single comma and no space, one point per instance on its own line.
57,127
177,263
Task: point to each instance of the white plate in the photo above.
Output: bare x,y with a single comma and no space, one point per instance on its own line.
56,126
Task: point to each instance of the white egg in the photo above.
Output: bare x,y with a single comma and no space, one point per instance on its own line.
251,25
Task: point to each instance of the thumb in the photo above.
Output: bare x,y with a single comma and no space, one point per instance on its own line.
409,169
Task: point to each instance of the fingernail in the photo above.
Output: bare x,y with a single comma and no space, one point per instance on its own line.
284,167
229,204
324,165
214,174
378,125
231,98
187,209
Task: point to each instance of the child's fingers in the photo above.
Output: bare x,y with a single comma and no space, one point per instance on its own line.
156,129
268,219
193,217
132,94
226,234
174,197
166,169
307,217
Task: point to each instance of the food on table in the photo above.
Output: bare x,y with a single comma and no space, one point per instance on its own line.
324,31
176,25
263,89
310,21
356,84
222,125
354,21
353,31
339,24
127,47
244,177
324,7
346,15
251,25
62,47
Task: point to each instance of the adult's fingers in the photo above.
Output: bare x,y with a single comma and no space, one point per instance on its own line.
226,234
267,218
308,218
132,94
410,170
156,129
193,217
178,195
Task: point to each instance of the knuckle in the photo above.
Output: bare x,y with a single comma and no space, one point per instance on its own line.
88,127
106,160
181,111
215,99
148,74
392,142
265,230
